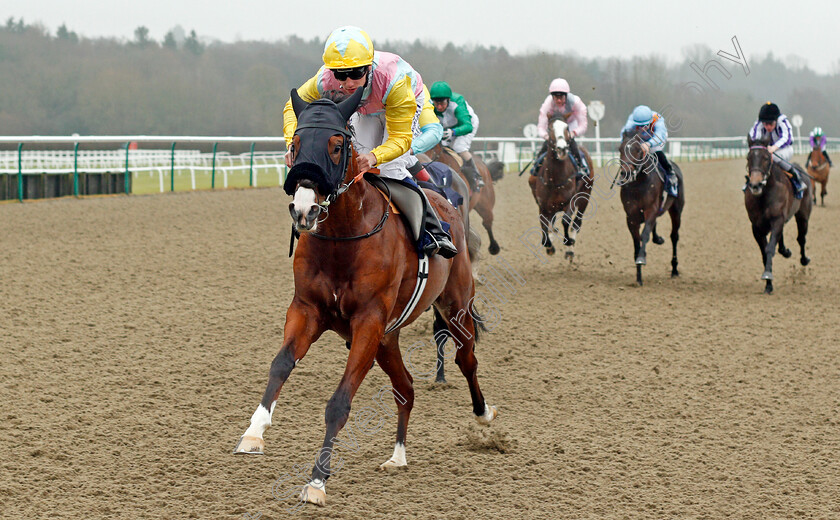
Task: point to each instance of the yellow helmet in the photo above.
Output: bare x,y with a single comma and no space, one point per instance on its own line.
348,47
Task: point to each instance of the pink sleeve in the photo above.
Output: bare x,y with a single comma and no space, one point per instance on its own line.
579,115
542,123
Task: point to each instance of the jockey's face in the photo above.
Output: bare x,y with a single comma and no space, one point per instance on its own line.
769,125
559,98
440,104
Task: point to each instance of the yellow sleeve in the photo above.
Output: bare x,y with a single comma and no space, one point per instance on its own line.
427,115
400,107
309,93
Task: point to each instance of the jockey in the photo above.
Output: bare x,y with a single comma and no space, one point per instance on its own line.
561,102
773,124
460,125
654,134
817,137
385,120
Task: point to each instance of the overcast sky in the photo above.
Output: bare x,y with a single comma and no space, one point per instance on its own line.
591,28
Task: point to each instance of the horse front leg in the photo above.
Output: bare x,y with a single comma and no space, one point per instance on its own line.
303,327
776,226
485,210
367,331
802,230
390,359
633,226
676,217
784,251
545,221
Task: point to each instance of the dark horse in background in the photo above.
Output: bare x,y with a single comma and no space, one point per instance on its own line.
642,197
770,203
355,273
556,188
818,169
483,201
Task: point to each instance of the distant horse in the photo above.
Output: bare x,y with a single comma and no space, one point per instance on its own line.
641,195
483,201
818,170
357,272
770,203
556,188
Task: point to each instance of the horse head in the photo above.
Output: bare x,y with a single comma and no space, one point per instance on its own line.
322,156
632,155
558,138
759,162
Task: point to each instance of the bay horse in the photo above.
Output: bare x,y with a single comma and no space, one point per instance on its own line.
641,195
556,188
770,203
355,273
818,170
483,201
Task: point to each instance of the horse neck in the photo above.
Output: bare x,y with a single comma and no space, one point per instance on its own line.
817,154
356,211
557,171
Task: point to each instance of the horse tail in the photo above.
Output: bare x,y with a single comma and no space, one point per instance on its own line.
497,170
478,323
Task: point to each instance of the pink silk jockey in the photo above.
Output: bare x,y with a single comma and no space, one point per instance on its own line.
574,110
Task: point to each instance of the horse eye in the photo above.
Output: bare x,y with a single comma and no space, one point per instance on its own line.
336,149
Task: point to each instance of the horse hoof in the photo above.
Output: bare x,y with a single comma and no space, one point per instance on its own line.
441,380
490,413
641,261
314,494
249,445
568,241
767,275
392,465
494,248
804,260
658,240
570,255
550,250
675,273
768,290
785,253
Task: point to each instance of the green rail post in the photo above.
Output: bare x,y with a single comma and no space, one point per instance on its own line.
20,172
172,169
127,145
213,174
251,169
76,170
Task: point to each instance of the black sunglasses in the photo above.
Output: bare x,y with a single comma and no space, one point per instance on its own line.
343,74
558,94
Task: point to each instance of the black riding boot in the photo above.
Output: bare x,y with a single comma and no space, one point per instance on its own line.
472,172
827,158
671,184
440,241
580,160
799,184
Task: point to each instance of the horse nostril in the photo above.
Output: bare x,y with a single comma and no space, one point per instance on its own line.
293,212
312,213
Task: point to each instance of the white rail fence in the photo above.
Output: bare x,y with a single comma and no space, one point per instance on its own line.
162,166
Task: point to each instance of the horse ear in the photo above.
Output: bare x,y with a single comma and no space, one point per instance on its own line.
298,104
349,105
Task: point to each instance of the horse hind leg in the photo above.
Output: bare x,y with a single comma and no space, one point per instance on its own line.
802,231
463,327
441,335
675,237
402,388
486,215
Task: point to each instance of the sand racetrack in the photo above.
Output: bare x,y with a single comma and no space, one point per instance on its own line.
137,334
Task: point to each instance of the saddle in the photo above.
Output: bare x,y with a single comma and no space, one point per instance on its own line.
454,155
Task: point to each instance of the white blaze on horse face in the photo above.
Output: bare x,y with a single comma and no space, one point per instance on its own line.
305,200
559,128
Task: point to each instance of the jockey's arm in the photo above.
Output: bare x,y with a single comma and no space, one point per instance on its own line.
542,120
786,138
660,136
400,107
307,92
431,131
462,114
579,114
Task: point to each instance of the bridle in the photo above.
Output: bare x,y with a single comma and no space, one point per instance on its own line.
764,174
642,165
